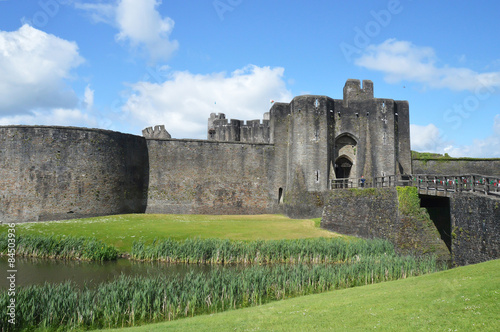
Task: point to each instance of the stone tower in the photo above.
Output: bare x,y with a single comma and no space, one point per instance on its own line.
309,139
318,138
372,135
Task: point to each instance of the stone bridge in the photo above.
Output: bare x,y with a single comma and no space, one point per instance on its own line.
434,185
465,211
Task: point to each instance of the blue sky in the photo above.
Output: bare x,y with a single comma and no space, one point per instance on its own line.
128,64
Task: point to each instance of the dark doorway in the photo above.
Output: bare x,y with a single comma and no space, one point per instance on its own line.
280,196
439,211
343,168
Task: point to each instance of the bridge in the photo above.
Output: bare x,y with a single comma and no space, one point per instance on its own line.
463,208
427,184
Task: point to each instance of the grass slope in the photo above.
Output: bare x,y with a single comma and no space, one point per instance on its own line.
122,230
462,299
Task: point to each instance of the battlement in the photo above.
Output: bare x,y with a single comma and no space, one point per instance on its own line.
253,131
354,92
252,166
159,132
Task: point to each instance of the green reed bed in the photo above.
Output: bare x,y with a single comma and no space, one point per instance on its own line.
46,246
219,251
129,301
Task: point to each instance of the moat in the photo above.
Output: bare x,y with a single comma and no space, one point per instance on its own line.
33,271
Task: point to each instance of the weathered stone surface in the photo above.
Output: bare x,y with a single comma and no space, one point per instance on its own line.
206,177
475,228
457,167
375,213
281,163
50,173
158,132
321,133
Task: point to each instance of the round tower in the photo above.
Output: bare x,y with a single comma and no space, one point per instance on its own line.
309,137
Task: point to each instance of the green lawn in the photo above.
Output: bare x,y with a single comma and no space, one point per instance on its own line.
461,299
122,230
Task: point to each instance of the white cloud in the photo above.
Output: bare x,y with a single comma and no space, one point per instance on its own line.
184,101
139,24
487,147
429,139
53,117
99,12
33,69
401,60
88,98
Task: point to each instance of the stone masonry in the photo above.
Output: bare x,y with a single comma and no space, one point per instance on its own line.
273,165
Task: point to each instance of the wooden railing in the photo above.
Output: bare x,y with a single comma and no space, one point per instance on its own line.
434,184
427,184
378,182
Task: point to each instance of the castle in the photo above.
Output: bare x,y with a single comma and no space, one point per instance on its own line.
252,167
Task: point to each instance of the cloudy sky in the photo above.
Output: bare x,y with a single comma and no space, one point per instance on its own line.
128,64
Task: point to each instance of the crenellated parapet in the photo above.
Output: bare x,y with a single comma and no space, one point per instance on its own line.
275,164
354,92
158,132
251,131
255,131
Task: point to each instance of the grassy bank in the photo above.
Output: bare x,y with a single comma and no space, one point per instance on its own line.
121,231
462,299
130,301
426,156
219,251
58,247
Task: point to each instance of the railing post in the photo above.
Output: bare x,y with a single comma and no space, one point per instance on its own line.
426,185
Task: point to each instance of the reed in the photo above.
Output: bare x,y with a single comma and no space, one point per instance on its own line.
219,251
129,301
44,246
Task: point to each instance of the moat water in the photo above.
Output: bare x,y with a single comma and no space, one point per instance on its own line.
31,271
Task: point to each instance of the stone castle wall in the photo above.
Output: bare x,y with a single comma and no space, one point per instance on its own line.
475,226
379,127
375,213
207,177
51,173
308,148
280,163
251,131
457,167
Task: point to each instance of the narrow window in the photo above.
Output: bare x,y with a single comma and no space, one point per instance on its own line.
317,176
280,195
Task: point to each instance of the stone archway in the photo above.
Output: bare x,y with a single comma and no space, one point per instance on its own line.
345,156
343,168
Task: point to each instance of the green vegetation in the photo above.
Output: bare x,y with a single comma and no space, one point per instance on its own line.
461,299
317,222
130,301
217,251
426,156
121,231
409,202
429,155
69,247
